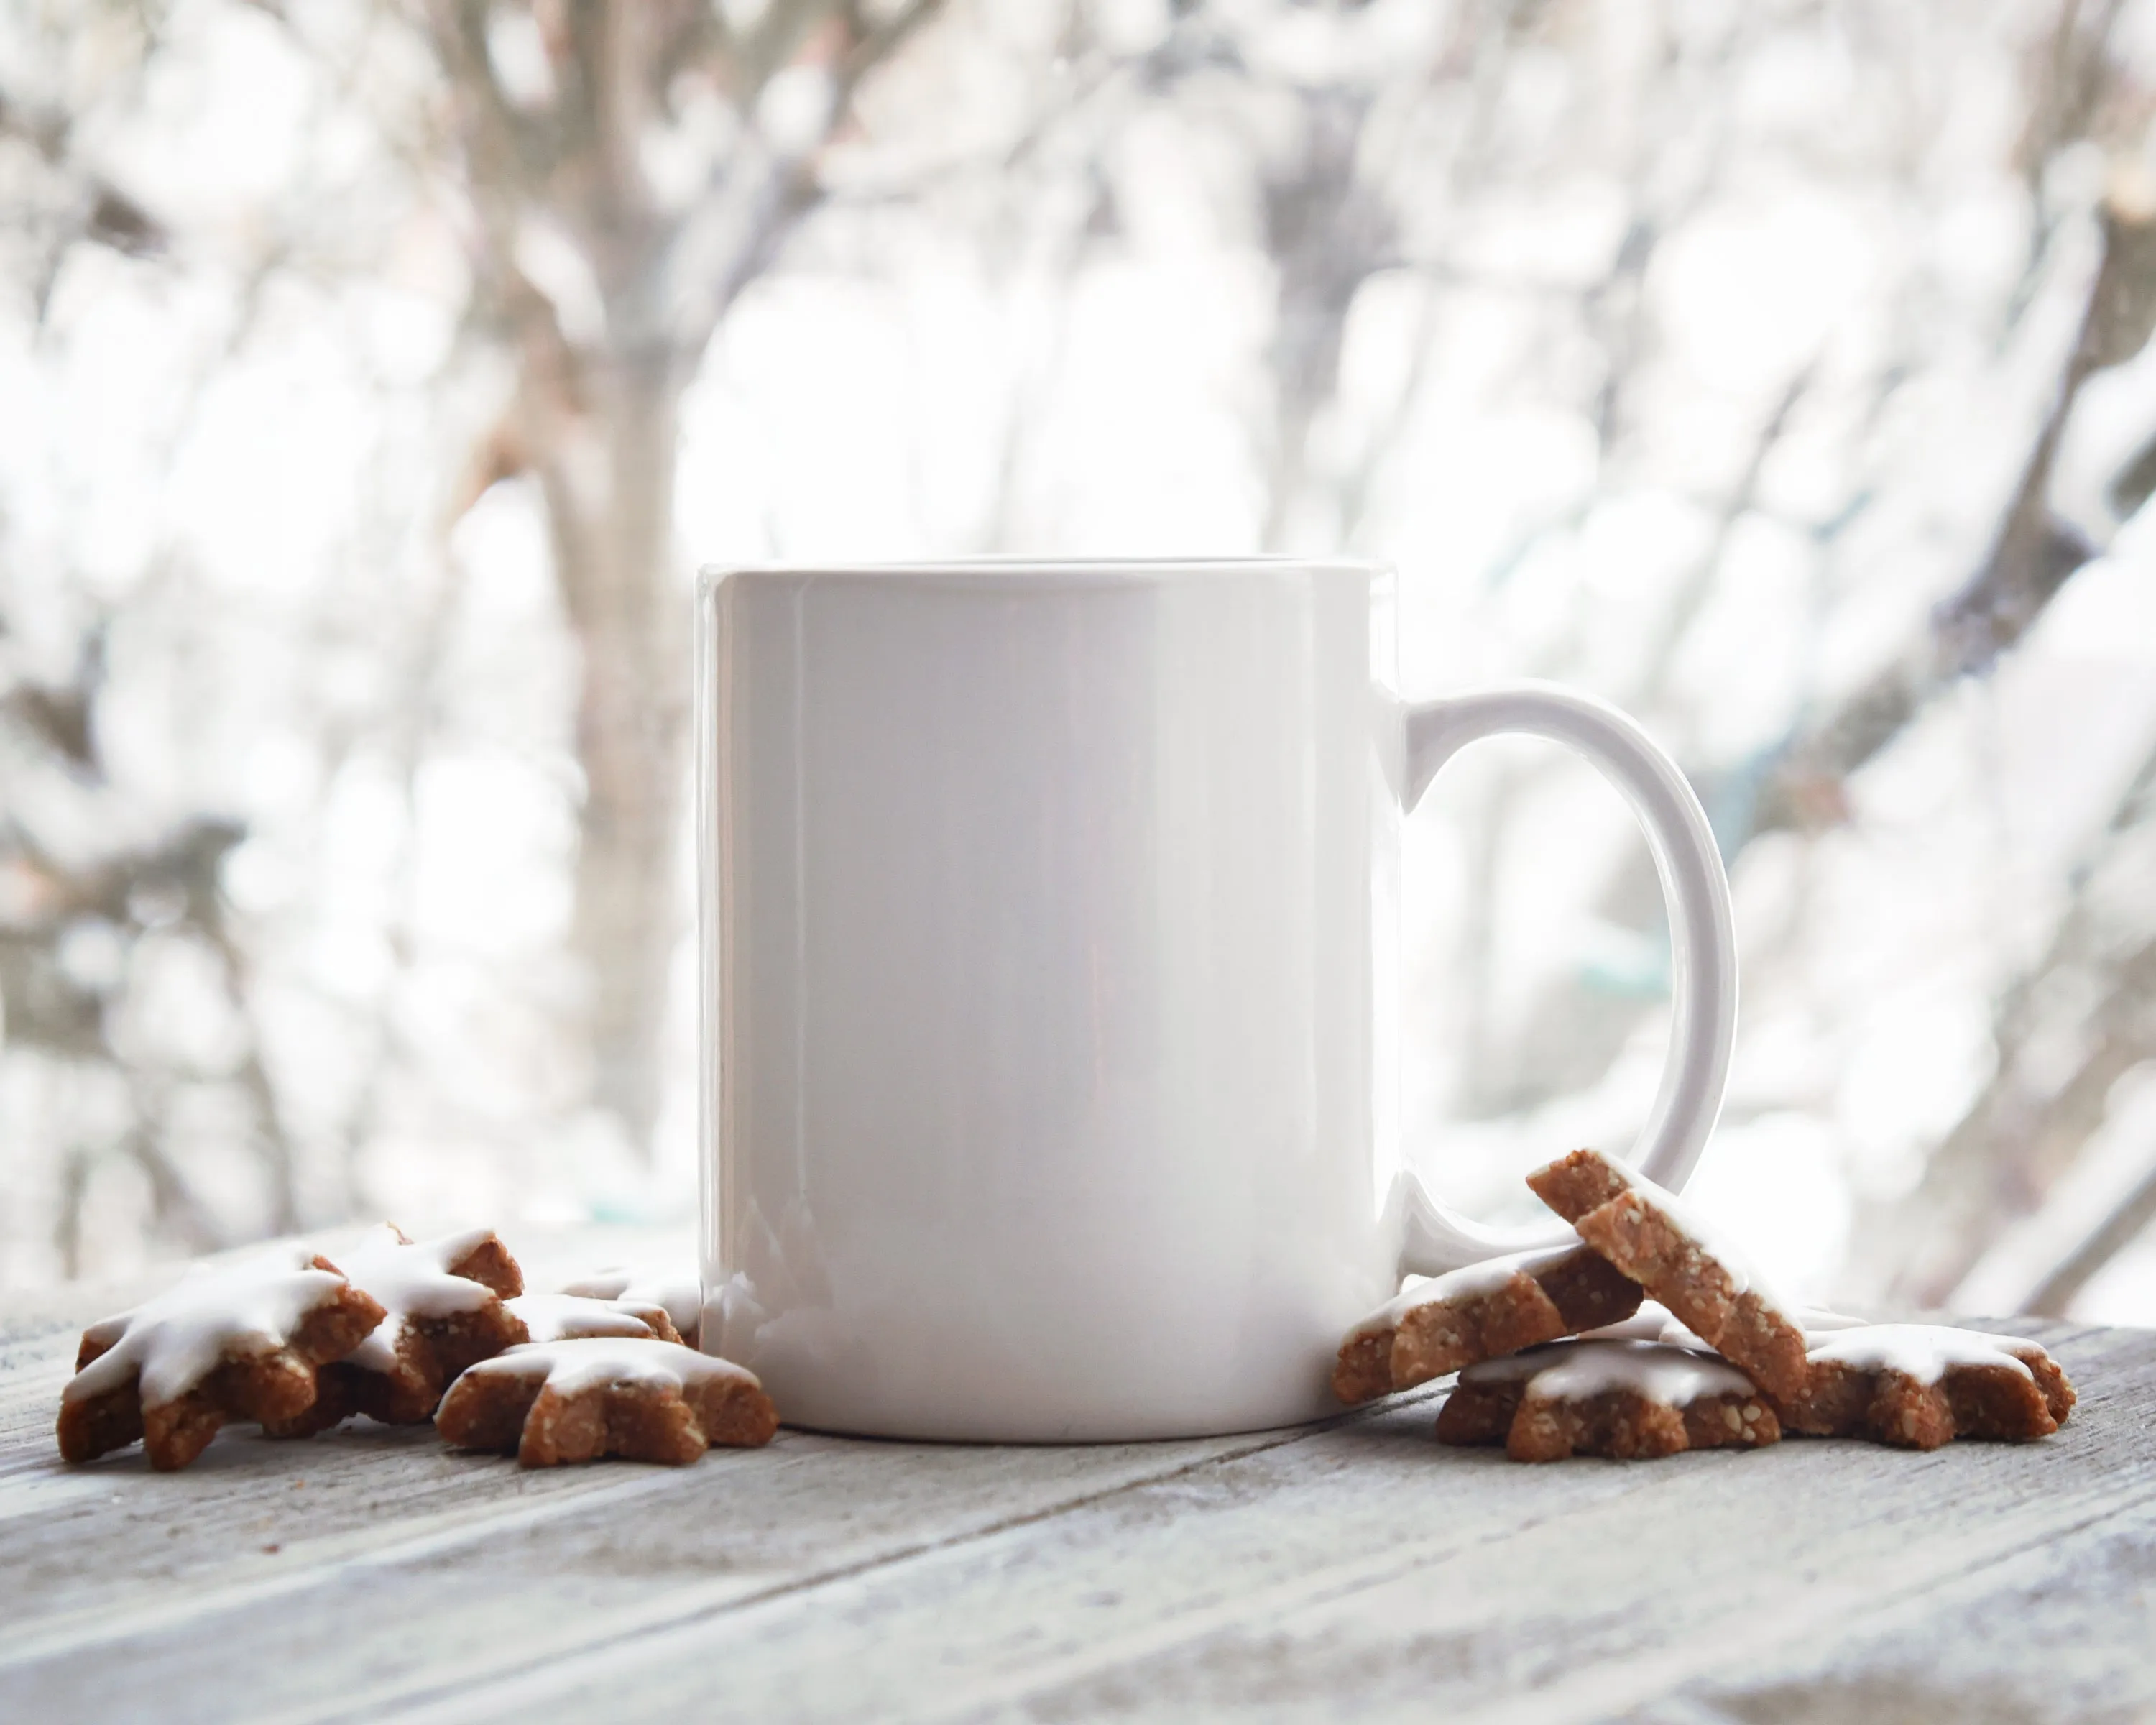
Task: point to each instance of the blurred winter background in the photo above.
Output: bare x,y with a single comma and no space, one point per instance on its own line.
373,373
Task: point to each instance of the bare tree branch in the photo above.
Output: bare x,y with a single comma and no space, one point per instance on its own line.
2024,1129
2033,556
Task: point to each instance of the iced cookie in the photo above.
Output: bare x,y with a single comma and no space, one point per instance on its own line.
1486,1310
444,1304
576,1401
1628,1400
1646,1232
569,1318
244,1341
681,1295
1921,1385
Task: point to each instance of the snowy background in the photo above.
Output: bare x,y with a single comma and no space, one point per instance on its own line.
1775,370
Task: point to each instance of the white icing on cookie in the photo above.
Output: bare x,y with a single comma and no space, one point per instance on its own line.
1652,1322
1744,1275
1675,1376
1471,1282
575,1365
411,1279
1923,1352
563,1317
1571,1371
681,1294
177,1339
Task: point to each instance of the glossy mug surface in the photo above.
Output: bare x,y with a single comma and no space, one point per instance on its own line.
1049,955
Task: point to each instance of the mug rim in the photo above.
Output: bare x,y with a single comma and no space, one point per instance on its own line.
1017,571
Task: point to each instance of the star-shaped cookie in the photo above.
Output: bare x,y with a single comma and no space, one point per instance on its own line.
552,1402
442,1305
1921,1385
241,1341
1627,1401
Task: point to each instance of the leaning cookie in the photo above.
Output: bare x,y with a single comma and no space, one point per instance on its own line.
1922,1385
1646,1232
443,1299
244,1341
576,1401
570,1317
1486,1310
1627,1401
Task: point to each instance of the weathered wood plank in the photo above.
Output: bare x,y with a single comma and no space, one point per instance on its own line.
1363,1566
2065,1630
1358,1565
139,1587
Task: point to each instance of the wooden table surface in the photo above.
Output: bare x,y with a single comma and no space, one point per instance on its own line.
1351,1569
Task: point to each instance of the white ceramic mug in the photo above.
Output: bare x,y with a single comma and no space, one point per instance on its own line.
1049,977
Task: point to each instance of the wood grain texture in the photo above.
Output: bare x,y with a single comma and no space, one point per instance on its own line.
1355,1567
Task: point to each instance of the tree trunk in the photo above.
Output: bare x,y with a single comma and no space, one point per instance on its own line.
608,484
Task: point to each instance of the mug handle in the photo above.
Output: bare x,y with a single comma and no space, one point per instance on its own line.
1435,1238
